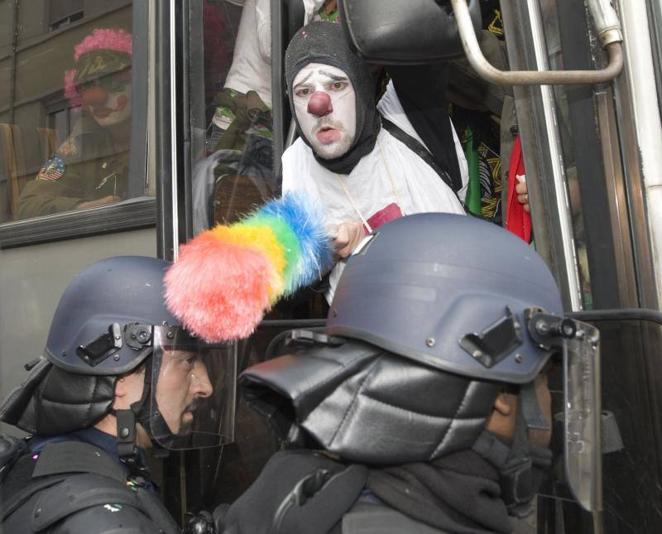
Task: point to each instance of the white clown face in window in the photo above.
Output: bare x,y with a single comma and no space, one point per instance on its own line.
325,108
109,99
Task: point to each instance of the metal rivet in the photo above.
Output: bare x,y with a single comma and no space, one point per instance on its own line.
37,512
116,357
430,342
542,328
124,432
519,358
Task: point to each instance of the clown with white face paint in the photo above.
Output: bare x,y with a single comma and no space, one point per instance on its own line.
325,107
361,174
90,169
109,100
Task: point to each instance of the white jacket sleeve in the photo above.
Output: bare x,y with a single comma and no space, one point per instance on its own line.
263,15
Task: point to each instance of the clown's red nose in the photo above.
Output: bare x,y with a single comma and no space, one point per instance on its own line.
94,96
320,104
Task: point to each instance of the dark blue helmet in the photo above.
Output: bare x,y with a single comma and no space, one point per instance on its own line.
449,291
121,291
100,330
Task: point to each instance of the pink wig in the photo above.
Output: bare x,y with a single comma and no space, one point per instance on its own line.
115,39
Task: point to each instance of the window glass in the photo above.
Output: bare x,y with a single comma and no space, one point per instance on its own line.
231,119
66,107
231,124
549,10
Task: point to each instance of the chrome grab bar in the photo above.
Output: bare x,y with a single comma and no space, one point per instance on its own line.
609,31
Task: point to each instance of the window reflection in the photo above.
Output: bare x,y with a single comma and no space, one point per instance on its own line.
549,10
65,123
235,173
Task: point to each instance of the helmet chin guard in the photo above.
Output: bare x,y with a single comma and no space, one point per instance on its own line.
367,405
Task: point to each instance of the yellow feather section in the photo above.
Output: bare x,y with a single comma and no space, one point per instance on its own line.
262,239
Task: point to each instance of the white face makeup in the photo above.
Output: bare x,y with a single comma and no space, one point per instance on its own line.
325,107
115,110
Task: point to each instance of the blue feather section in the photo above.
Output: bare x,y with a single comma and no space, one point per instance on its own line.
307,223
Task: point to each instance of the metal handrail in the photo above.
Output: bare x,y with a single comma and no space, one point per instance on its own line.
608,28
622,314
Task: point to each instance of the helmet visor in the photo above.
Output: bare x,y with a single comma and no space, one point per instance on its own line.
192,391
581,375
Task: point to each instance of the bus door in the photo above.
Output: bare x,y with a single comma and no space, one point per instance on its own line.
590,205
591,153
228,125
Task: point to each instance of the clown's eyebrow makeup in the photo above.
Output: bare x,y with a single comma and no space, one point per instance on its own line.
334,77
302,82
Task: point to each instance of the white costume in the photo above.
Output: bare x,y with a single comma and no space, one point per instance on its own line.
390,174
251,63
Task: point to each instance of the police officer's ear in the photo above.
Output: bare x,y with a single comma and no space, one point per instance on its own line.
129,388
502,420
505,404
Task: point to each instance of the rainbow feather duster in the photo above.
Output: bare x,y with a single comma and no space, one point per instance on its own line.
228,277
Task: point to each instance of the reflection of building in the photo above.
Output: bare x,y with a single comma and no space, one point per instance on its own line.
36,47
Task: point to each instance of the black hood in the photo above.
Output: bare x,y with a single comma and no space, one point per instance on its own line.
325,42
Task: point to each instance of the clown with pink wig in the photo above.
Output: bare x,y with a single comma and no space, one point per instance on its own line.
90,168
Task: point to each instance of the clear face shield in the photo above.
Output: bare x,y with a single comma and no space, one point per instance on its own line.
192,399
583,451
580,346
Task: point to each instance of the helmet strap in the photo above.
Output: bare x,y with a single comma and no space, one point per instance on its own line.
127,447
529,407
521,464
126,438
147,414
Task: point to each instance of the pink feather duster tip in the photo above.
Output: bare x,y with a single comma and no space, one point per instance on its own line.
227,278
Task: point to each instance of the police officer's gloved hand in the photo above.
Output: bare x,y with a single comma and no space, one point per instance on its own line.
200,523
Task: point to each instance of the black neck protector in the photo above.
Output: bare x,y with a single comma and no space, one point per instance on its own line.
325,42
521,466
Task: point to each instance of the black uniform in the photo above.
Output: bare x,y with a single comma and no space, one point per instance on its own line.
76,484
301,492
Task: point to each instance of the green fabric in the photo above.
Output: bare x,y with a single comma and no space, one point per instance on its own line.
93,169
243,113
473,203
98,63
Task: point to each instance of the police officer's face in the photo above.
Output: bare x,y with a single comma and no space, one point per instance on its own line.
325,107
182,384
108,99
504,416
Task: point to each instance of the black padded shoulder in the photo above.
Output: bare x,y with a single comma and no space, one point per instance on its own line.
10,450
81,492
109,519
77,488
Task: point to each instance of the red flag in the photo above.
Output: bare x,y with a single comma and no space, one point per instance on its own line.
518,221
